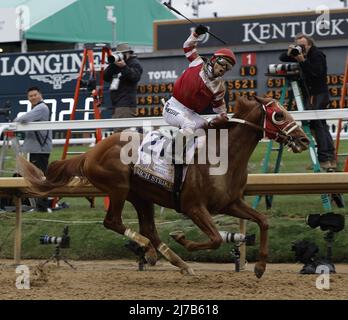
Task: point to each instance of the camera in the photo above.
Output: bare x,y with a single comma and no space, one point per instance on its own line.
305,251
283,68
296,50
327,222
88,85
228,237
62,242
116,57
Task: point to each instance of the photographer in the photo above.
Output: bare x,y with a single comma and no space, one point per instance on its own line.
38,144
313,66
123,72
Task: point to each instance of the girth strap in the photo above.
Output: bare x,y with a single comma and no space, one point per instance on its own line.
178,174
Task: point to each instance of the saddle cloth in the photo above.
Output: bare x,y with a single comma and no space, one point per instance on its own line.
154,159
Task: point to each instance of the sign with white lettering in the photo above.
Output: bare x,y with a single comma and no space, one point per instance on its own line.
257,30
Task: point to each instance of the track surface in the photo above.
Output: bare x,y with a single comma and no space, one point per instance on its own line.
120,280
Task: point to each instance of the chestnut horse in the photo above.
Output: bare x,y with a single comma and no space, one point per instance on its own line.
202,194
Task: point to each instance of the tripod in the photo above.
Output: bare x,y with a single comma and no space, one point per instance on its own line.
329,238
236,256
57,257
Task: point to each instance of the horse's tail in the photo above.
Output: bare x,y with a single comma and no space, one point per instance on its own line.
59,173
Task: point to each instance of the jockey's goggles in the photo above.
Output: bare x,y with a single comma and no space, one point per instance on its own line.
224,63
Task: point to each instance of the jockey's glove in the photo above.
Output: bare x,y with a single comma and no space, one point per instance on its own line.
201,29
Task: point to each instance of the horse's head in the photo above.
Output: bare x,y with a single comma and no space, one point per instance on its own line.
278,124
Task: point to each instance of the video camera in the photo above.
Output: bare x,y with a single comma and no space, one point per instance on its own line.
306,251
327,222
62,242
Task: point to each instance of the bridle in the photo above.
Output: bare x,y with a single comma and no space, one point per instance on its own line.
278,130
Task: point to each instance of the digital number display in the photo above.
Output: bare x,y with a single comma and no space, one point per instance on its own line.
153,111
155,88
334,82
241,84
149,98
150,95
246,71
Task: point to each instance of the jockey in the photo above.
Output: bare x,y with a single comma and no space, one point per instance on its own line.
200,86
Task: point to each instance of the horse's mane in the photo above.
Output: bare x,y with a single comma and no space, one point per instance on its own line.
243,107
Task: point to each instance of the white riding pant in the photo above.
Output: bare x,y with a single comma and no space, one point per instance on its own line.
177,115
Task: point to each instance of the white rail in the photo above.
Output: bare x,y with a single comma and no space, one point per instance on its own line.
331,114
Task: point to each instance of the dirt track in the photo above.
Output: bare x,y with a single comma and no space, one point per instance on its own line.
120,280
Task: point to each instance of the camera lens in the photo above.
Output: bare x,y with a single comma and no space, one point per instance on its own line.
115,58
111,59
294,52
118,56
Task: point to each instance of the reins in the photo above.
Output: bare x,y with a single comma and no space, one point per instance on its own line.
284,132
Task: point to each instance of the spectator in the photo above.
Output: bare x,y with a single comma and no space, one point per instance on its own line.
313,65
123,72
38,144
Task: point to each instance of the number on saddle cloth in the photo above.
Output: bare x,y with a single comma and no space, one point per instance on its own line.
156,144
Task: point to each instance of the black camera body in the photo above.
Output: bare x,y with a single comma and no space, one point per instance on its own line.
88,85
62,242
305,251
297,50
327,222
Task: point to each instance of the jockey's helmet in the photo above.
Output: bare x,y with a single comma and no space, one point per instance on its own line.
224,57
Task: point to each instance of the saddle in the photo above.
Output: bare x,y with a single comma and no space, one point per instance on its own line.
160,162
163,157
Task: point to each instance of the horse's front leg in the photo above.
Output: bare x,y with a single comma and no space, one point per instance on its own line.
147,227
242,210
202,218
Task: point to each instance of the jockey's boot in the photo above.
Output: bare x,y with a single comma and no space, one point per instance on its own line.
182,143
178,149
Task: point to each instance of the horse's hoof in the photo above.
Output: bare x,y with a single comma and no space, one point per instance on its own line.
151,256
259,269
177,235
187,272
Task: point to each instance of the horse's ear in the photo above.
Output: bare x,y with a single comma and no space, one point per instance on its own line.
264,101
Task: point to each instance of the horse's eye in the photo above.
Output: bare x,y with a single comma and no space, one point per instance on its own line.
278,117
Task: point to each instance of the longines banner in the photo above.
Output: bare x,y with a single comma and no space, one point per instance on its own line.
256,30
56,74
